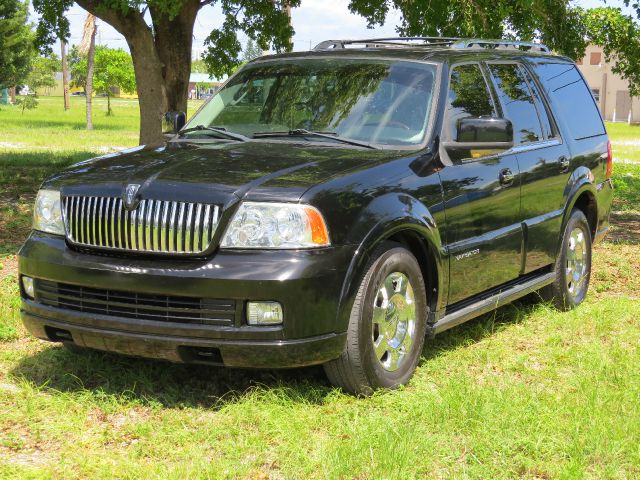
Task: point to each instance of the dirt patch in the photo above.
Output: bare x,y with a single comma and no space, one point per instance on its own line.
8,266
625,227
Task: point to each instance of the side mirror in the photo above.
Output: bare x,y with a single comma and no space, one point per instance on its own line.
482,130
174,121
478,137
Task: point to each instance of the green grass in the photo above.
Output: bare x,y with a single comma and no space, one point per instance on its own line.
625,140
524,392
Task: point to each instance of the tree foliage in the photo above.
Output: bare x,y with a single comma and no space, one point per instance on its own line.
560,24
41,75
619,36
159,34
113,70
251,51
16,42
555,22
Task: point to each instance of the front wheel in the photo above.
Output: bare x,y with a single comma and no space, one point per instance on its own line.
573,265
387,325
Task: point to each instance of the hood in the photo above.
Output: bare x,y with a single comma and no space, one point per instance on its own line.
215,172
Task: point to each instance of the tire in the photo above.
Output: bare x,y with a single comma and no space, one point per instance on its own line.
383,352
573,265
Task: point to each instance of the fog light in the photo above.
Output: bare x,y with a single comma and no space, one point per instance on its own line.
27,286
264,313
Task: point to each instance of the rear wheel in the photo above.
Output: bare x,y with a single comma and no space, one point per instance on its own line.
387,325
573,265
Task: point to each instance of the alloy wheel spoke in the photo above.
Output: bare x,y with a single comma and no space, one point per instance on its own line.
381,346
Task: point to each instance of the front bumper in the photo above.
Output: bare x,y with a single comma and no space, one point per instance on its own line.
308,284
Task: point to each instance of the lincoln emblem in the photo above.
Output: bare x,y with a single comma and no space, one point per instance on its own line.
131,196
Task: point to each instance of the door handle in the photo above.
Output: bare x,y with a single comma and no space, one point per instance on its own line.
564,164
506,177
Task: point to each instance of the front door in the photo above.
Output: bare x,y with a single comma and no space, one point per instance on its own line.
481,194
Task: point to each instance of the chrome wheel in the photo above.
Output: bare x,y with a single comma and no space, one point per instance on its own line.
577,267
394,321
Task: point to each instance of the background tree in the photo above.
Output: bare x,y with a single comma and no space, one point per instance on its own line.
113,71
251,51
161,49
41,75
78,68
560,24
16,43
619,36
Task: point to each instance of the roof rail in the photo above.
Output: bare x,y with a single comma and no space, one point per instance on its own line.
483,43
389,42
451,42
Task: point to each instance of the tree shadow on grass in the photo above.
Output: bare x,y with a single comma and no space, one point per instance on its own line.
181,385
66,124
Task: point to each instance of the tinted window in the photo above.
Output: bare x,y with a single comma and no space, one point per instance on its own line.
468,97
517,102
543,114
377,101
572,100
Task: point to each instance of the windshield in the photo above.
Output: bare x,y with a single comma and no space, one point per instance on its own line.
379,102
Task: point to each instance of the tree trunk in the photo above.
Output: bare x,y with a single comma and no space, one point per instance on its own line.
65,74
12,95
162,60
87,47
152,93
174,39
91,54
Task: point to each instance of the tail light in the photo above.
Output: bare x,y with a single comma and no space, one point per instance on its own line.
609,160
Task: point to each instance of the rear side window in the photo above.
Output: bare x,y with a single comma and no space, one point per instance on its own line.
545,116
517,101
571,98
468,97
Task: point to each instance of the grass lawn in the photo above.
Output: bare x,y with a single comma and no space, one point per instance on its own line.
524,392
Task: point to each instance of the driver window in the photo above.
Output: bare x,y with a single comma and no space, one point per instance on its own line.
468,97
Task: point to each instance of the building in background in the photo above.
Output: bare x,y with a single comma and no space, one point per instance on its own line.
201,85
58,90
609,89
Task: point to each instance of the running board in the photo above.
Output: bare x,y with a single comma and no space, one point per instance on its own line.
491,303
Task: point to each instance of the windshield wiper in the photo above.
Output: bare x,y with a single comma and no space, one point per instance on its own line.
221,131
301,132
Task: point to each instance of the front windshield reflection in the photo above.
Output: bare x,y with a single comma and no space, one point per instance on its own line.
380,102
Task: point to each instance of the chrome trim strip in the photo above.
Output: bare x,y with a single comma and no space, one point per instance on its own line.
196,228
180,227
100,201
164,228
527,147
187,244
172,226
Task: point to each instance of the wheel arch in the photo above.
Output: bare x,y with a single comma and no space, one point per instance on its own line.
401,219
582,195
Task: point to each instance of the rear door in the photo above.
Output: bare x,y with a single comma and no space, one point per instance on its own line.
543,158
481,194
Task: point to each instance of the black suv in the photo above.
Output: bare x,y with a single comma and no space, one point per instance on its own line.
331,207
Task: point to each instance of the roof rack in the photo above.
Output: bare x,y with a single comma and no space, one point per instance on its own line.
389,42
483,43
451,42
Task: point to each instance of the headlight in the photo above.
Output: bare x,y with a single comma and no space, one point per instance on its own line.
47,213
276,225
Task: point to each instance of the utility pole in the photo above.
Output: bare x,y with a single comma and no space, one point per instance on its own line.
65,74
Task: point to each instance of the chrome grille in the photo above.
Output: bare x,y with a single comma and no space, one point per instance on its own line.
154,226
